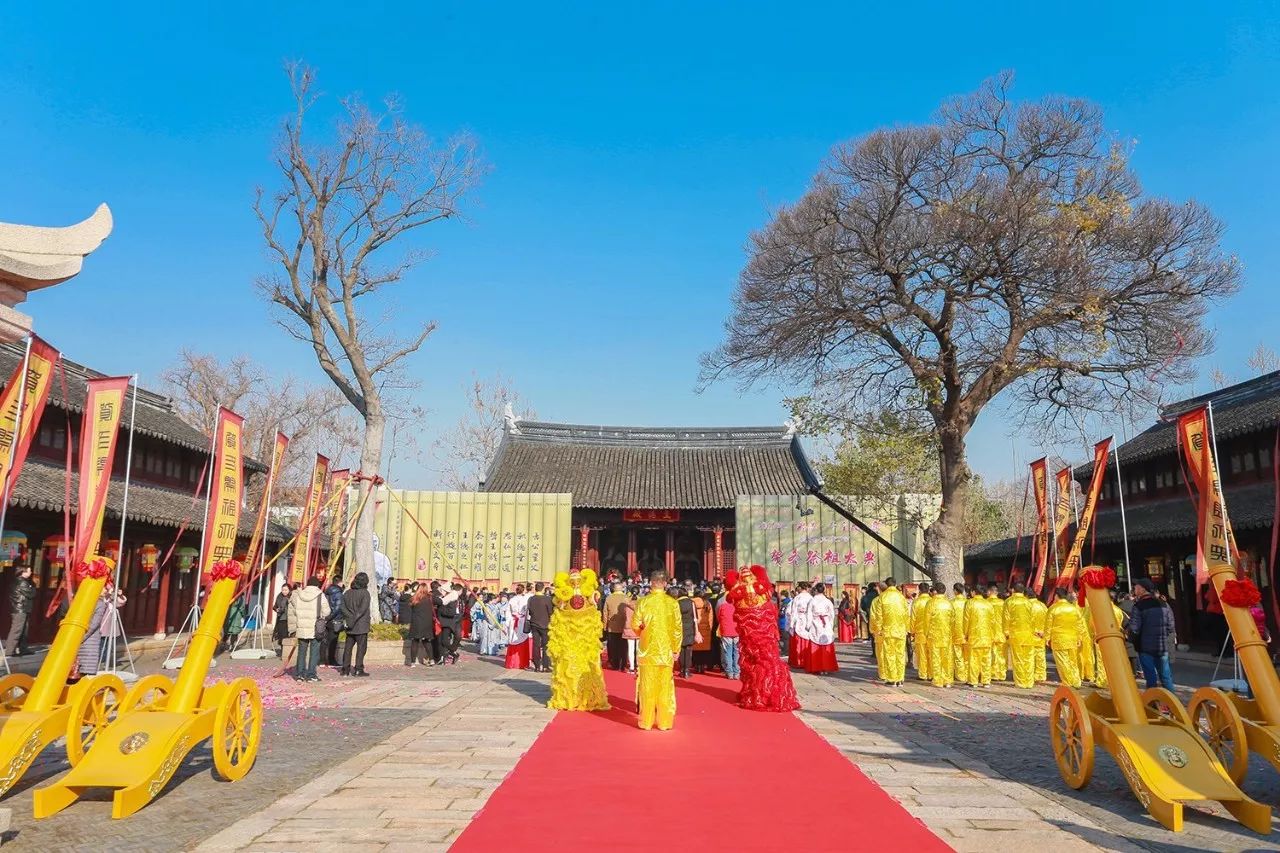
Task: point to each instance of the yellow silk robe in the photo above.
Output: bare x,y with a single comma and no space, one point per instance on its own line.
657,623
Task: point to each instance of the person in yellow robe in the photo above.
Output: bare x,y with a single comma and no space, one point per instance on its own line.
889,619
920,631
979,633
999,644
1021,636
940,631
1067,633
1039,622
659,629
577,682
1089,652
959,644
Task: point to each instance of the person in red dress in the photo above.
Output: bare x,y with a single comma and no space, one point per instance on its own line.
766,681
848,620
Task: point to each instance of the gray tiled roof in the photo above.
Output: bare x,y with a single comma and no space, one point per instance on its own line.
155,414
650,468
43,486
1250,507
1237,410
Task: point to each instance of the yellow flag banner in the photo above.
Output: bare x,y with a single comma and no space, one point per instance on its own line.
1101,453
338,482
1061,512
15,438
1193,435
260,526
99,428
1040,545
222,521
302,543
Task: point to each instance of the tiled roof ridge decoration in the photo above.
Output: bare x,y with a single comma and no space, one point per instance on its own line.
631,467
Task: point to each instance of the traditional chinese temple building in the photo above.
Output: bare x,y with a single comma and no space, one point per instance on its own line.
652,498
1159,515
164,517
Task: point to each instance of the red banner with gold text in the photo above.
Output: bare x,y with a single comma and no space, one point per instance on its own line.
260,526
338,482
1061,513
1193,435
1101,454
222,521
99,429
1040,544
302,544
15,439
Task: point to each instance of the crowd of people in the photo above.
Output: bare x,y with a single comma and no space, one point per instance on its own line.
977,636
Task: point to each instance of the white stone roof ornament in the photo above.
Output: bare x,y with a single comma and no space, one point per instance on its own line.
793,425
509,415
32,257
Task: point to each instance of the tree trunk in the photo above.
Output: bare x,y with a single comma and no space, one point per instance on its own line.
375,425
944,539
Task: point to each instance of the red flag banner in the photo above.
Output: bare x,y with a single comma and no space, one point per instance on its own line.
1193,435
338,482
302,543
260,526
99,429
15,438
1061,513
1101,452
1040,544
222,521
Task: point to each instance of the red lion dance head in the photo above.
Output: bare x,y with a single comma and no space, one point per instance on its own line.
748,587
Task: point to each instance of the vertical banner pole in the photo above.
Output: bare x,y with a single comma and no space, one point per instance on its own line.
1124,524
17,432
118,627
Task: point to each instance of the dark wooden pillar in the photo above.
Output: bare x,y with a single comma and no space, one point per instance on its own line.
632,562
671,553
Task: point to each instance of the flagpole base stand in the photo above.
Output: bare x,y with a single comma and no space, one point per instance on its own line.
252,654
176,663
124,675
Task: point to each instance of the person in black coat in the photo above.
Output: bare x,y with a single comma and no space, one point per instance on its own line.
420,614
449,612
333,594
355,614
689,626
281,609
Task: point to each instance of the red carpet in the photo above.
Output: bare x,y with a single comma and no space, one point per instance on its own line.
722,779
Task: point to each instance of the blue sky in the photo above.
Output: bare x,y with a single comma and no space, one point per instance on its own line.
633,149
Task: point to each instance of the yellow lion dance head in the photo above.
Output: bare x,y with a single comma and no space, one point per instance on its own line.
575,586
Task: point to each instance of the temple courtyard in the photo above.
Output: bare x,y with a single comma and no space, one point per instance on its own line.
409,758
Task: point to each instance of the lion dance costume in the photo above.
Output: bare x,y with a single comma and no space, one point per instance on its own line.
577,683
766,680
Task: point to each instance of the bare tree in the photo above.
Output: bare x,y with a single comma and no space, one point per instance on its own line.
464,452
1002,248
1263,360
333,230
315,419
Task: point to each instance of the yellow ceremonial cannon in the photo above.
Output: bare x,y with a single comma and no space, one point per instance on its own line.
38,711
1149,734
1232,724
159,724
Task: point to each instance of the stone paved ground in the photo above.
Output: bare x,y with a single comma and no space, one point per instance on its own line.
975,765
403,760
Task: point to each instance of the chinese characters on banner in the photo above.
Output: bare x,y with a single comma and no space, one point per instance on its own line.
260,526
306,524
1101,456
1215,542
661,516
15,439
1062,513
223,518
338,482
814,542
1040,545
99,428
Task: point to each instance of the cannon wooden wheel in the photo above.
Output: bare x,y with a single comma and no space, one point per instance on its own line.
148,694
1071,729
237,729
14,689
94,707
1164,705
1216,720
